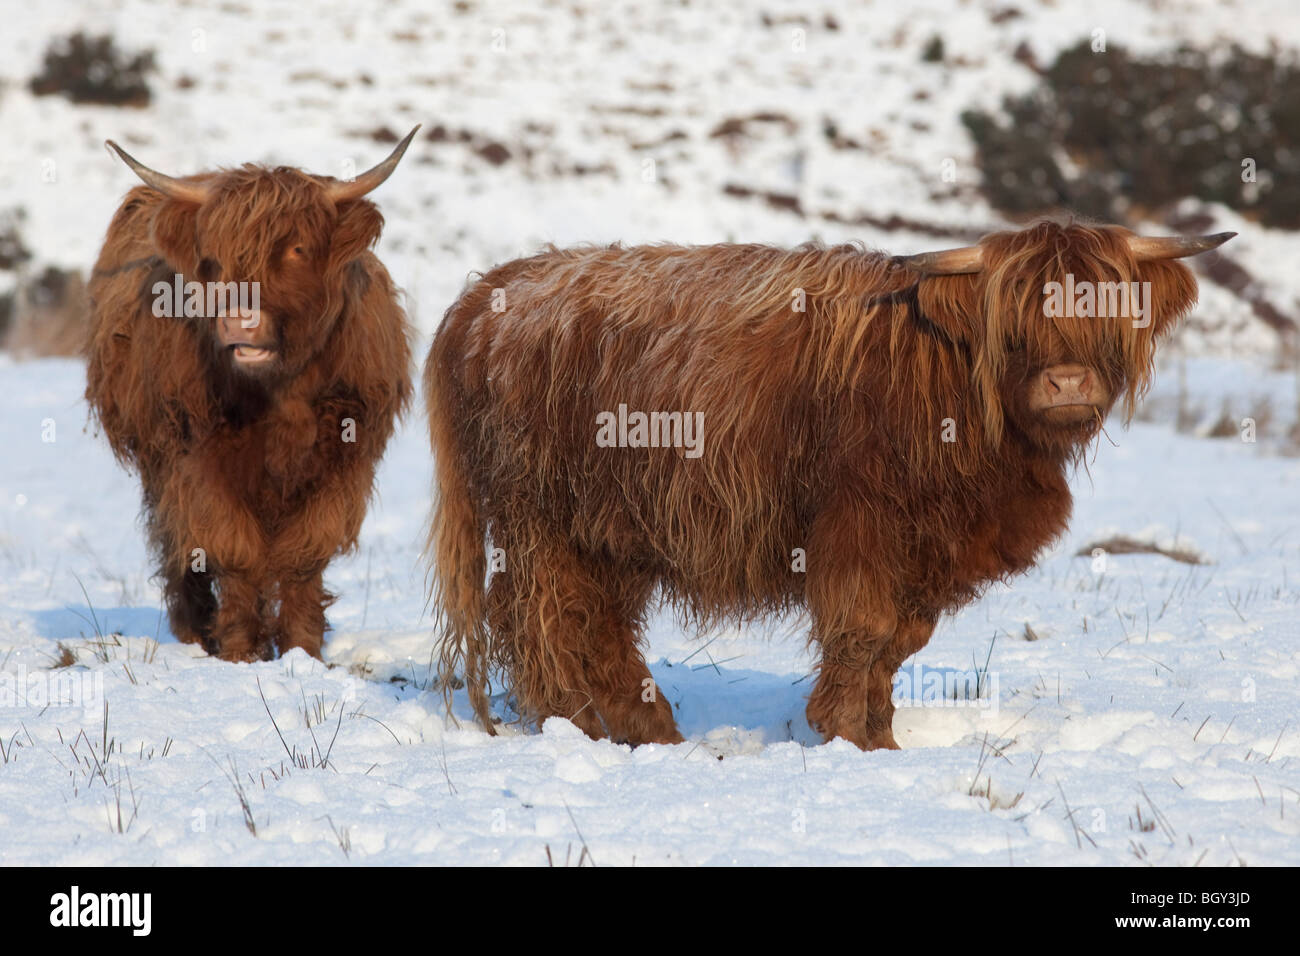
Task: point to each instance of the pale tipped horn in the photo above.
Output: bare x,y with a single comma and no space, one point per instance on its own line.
947,262
172,188
356,188
1174,247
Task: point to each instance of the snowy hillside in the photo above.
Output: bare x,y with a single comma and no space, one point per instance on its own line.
1131,709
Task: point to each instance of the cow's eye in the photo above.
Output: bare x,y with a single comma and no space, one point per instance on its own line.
297,252
209,270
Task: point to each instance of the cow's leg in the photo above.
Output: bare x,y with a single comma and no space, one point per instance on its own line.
849,592
303,600
237,634
837,706
853,698
301,549
631,705
187,593
538,611
909,637
191,603
203,519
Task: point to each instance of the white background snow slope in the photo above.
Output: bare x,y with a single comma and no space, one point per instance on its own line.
1152,719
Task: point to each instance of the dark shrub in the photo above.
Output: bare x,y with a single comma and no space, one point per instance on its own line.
1147,132
12,251
90,69
46,315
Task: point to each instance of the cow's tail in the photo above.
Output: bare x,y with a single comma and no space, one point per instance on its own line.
457,540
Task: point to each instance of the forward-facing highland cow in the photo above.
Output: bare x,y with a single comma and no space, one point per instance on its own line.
745,429
249,357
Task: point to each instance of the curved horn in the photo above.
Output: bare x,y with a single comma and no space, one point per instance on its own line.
1174,247
356,188
947,262
172,188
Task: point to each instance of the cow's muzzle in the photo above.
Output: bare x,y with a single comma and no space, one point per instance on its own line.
1068,385
246,335
1068,392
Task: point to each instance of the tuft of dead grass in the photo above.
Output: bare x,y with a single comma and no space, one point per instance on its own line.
49,315
1123,544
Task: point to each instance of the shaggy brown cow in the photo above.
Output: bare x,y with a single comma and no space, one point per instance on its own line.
255,424
873,439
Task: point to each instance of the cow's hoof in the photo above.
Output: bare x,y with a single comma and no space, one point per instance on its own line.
312,649
881,741
245,653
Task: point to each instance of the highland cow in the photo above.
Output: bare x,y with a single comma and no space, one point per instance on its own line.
255,421
878,440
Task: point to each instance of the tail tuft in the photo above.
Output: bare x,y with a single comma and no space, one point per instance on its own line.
456,548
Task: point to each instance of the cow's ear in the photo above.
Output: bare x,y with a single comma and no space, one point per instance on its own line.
176,235
356,230
1172,295
952,304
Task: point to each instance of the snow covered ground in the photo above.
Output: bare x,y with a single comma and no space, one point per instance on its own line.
1157,702
1130,708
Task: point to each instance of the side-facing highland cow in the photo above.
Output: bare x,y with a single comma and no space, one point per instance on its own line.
741,429
249,357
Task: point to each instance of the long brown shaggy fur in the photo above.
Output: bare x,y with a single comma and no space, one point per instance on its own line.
823,430
253,479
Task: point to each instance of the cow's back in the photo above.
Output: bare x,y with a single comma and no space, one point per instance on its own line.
587,339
